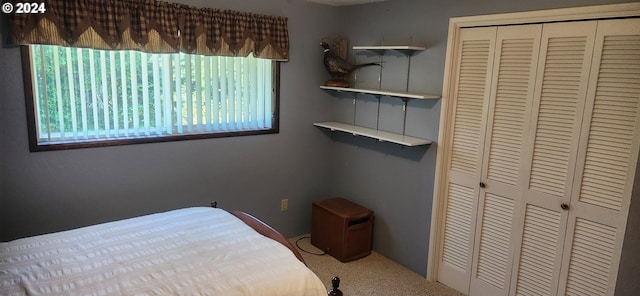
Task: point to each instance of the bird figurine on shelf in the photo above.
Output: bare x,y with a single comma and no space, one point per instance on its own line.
339,68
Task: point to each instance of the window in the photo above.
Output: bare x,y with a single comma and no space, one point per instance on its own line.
79,97
117,72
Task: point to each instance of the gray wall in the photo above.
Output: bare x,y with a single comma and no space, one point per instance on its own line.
629,271
49,191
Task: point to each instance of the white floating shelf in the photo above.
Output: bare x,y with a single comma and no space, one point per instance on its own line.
382,92
389,47
381,136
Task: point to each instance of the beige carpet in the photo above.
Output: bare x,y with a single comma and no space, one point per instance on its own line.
369,276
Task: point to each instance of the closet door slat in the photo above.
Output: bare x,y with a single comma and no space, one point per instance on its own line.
607,160
473,81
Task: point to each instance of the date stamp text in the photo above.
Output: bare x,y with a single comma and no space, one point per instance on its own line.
24,7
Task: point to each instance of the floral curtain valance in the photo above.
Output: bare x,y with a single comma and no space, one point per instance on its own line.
153,26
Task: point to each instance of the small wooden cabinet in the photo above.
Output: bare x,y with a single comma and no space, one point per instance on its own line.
341,228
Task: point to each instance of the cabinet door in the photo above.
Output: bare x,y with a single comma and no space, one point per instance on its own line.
551,152
474,58
606,162
510,102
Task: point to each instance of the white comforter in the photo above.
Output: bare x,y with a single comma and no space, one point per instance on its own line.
193,251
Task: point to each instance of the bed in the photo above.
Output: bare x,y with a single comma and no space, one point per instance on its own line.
190,251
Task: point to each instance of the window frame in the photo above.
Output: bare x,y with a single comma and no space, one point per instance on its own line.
34,146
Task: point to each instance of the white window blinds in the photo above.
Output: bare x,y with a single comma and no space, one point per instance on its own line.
85,95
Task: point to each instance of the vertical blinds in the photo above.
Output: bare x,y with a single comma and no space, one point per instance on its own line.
85,94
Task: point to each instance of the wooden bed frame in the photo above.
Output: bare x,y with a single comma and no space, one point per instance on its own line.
264,229
273,234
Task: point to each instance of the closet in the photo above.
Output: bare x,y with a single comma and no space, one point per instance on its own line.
537,171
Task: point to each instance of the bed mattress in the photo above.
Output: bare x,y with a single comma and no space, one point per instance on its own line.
192,251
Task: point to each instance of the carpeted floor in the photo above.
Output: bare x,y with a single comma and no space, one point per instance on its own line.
369,276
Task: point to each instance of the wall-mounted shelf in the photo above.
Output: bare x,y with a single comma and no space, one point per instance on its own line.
382,92
383,136
379,135
390,47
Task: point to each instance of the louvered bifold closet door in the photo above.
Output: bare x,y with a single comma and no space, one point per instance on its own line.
474,58
510,102
560,92
606,163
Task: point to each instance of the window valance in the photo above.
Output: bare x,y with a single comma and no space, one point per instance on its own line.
153,26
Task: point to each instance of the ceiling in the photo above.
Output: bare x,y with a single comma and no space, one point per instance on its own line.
343,2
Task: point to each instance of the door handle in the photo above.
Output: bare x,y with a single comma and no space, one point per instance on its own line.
564,206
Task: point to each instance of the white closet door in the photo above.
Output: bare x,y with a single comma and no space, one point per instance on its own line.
473,73
551,152
512,91
606,163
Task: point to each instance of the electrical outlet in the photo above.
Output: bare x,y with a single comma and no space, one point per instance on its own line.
284,205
